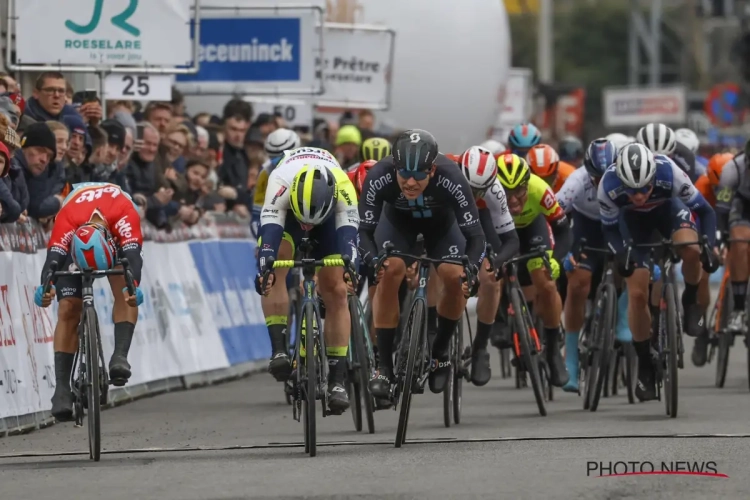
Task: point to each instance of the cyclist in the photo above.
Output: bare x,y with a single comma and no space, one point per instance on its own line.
619,140
661,140
374,148
732,211
545,163
642,194
479,167
571,151
495,147
309,194
419,190
277,142
707,185
535,211
522,138
690,140
578,198
96,222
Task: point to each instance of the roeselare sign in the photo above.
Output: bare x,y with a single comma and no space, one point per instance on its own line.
106,33
356,66
625,107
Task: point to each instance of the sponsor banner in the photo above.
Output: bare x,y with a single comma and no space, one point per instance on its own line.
514,100
356,67
255,50
99,33
561,112
633,107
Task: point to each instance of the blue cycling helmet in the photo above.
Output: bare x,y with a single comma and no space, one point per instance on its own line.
92,248
524,136
600,154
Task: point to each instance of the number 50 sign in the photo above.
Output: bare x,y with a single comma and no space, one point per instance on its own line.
138,87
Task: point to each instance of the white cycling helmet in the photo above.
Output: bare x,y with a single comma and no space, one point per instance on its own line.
280,140
619,140
657,137
635,166
479,168
493,146
688,138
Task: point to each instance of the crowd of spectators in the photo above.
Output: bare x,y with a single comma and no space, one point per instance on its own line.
176,167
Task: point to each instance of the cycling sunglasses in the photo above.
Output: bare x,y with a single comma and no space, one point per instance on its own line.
633,191
416,175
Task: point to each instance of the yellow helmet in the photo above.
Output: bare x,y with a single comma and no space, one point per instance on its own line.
512,171
375,148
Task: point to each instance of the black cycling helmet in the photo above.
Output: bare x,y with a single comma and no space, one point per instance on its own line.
570,149
415,150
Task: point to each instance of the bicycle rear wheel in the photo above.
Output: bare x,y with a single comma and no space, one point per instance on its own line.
311,386
362,368
529,353
416,329
605,338
726,338
630,364
672,367
458,386
93,389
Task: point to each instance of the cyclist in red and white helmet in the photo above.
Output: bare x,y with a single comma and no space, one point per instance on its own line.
479,167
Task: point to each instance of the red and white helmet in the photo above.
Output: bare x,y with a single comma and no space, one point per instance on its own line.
478,166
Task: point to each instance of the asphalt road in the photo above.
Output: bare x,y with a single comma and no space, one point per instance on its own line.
238,440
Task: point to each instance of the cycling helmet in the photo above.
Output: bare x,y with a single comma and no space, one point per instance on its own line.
280,140
415,150
478,166
600,154
619,140
313,194
543,160
493,146
657,137
375,148
716,165
524,136
570,149
635,166
361,173
348,134
512,171
92,248
687,138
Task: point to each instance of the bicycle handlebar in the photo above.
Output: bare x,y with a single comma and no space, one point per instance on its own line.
540,252
125,271
343,261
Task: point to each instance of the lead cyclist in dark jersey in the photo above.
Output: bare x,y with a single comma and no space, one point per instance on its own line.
418,190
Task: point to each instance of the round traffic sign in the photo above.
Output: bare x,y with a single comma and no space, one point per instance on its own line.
722,104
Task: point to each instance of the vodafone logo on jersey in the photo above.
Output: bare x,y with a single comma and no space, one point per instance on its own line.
123,228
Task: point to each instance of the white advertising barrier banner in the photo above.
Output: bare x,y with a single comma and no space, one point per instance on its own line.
356,67
111,33
175,335
634,107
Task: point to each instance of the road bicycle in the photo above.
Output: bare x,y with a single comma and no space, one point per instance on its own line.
361,365
90,382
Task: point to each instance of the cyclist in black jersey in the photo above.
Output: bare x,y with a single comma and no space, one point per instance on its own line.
418,190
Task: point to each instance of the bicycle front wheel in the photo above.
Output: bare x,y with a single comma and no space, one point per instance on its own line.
605,339
726,338
362,369
311,386
672,351
529,355
416,328
93,389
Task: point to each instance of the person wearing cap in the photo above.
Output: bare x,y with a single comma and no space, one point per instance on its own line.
44,178
348,141
79,147
14,196
115,139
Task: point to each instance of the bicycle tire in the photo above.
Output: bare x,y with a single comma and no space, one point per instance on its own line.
529,359
585,358
93,387
631,368
506,371
416,329
606,338
671,372
458,387
617,372
448,391
726,339
362,365
311,388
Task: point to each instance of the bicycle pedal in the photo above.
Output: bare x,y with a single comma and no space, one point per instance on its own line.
118,382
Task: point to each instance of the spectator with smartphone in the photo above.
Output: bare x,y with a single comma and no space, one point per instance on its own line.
14,195
47,102
45,179
79,145
119,177
145,177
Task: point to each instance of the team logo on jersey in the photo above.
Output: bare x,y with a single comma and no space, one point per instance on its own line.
280,192
124,228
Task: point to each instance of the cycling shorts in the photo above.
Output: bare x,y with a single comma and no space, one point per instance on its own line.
739,211
531,237
591,230
323,237
654,225
442,238
69,287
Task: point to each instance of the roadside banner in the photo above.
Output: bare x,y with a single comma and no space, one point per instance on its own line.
257,50
95,32
636,106
356,67
514,101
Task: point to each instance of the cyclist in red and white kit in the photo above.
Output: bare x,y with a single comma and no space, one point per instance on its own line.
96,223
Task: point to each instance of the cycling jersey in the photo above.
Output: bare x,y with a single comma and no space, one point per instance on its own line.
579,194
669,183
540,200
703,185
277,205
447,197
684,158
564,170
113,205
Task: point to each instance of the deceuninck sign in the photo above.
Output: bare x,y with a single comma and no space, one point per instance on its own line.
103,32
